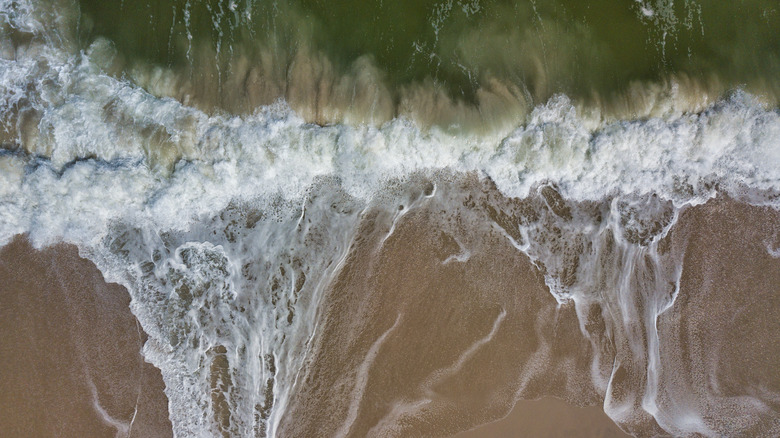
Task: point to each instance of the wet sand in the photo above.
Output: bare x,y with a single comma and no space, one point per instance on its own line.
421,337
720,341
416,342
70,362
547,418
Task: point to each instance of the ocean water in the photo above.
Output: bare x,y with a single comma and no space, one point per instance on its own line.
384,218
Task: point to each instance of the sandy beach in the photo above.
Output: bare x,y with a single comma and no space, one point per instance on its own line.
548,418
70,351
438,345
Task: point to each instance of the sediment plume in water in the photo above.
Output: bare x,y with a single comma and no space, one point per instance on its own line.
395,218
459,65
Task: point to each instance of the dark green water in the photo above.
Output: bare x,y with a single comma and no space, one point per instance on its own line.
590,50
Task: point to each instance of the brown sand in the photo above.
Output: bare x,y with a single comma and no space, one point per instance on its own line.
69,349
547,418
413,346
720,342
436,348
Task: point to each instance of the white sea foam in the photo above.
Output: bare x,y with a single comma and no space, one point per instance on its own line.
99,128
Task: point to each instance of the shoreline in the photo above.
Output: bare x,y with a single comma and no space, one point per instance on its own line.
61,322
